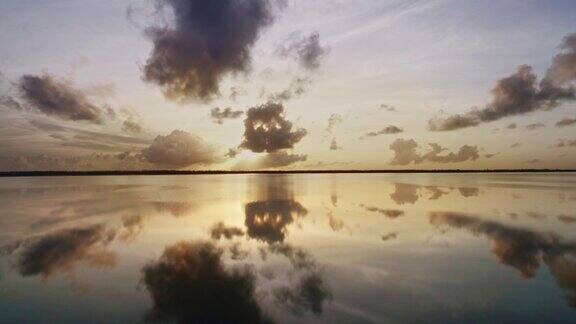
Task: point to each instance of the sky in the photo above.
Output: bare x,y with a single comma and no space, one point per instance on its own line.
287,84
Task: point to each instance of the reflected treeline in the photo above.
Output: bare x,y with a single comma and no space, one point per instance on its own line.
522,249
190,284
405,193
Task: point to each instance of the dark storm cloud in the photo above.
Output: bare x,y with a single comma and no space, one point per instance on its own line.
267,130
59,99
307,50
267,221
219,115
220,230
207,41
405,152
520,93
522,249
180,149
61,251
388,130
566,122
190,284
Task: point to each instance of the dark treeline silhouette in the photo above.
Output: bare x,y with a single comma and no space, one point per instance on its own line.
215,172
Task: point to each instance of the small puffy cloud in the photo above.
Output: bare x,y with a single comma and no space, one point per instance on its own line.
388,130
297,87
132,126
334,145
534,126
180,149
566,122
59,99
387,107
512,126
219,115
267,130
220,230
333,121
405,152
307,50
207,41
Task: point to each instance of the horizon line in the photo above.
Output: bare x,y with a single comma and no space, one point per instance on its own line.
223,172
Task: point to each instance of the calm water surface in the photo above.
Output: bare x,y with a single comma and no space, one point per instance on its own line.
289,248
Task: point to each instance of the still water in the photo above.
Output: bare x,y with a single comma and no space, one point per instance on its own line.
348,248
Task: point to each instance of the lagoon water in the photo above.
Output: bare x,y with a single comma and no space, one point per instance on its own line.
345,248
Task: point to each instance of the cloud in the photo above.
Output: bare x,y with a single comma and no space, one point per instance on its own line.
307,50
132,126
267,130
533,161
218,115
512,126
388,130
189,283
566,122
390,213
233,152
58,99
61,251
207,41
522,249
562,143
308,291
520,93
515,145
405,153
180,149
297,87
387,107
267,221
220,230
333,121
389,236
405,193
334,145
535,126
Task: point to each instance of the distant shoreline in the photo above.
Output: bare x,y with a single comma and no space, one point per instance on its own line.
221,172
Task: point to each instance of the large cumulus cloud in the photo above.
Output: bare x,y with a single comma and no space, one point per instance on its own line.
180,149
405,152
521,93
207,41
267,129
